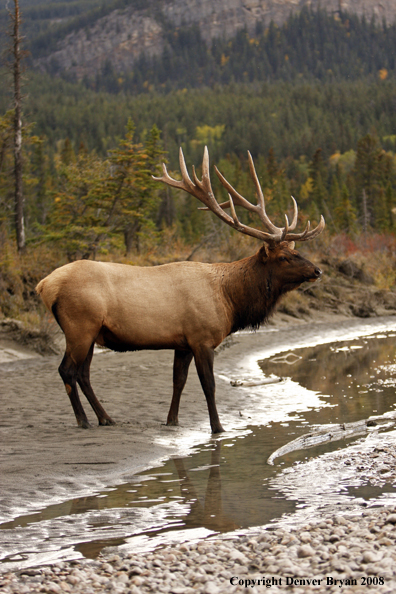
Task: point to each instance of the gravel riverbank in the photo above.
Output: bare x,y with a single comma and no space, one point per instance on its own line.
349,553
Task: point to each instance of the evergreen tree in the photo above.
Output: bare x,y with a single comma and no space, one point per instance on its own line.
6,165
272,168
67,155
77,220
135,198
318,175
344,213
368,173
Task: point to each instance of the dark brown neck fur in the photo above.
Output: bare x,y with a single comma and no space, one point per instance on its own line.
250,292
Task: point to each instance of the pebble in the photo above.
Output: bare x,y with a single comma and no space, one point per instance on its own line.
369,557
391,518
305,551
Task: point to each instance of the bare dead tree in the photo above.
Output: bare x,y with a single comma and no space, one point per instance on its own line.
17,55
366,216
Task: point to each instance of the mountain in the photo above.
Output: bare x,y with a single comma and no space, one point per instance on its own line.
118,34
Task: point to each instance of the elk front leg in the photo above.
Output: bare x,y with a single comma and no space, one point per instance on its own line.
85,385
204,358
181,364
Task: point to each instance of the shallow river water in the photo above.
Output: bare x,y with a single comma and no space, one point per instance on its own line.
225,484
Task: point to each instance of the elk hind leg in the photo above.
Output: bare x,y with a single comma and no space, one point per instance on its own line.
204,357
84,382
68,371
181,364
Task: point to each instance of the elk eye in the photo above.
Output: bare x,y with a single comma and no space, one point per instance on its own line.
282,259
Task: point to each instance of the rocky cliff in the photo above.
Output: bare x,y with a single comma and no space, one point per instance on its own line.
123,35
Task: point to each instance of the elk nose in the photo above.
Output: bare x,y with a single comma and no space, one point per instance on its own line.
317,272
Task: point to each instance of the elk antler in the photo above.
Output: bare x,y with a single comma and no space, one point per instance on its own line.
202,190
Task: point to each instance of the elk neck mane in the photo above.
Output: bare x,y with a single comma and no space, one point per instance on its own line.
250,291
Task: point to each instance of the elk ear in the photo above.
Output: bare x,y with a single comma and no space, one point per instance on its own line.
292,245
264,252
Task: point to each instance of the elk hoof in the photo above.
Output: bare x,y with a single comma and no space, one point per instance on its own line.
172,423
218,429
84,424
106,422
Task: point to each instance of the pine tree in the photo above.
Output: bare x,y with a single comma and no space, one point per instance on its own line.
6,165
345,216
367,174
318,175
135,200
272,167
77,219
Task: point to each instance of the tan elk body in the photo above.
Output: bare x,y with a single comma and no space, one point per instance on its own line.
189,307
133,307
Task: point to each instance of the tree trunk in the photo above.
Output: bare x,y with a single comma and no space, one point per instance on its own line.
131,237
366,217
166,211
18,199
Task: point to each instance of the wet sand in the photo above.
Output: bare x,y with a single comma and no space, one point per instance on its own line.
45,458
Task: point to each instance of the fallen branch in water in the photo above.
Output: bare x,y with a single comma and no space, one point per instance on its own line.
250,383
334,433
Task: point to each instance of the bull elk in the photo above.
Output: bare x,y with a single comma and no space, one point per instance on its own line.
187,306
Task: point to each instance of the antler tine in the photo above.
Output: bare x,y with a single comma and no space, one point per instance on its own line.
260,199
206,193
184,171
295,215
307,235
167,179
285,229
205,172
205,167
318,229
237,198
288,227
260,195
233,212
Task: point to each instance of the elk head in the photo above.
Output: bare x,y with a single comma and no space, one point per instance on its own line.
287,267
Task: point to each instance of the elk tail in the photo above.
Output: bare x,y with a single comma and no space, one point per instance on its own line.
48,293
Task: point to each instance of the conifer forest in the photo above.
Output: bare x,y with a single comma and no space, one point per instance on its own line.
313,100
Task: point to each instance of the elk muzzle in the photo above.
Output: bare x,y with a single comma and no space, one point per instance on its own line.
317,273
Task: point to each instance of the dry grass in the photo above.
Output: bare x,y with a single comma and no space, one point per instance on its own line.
19,274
